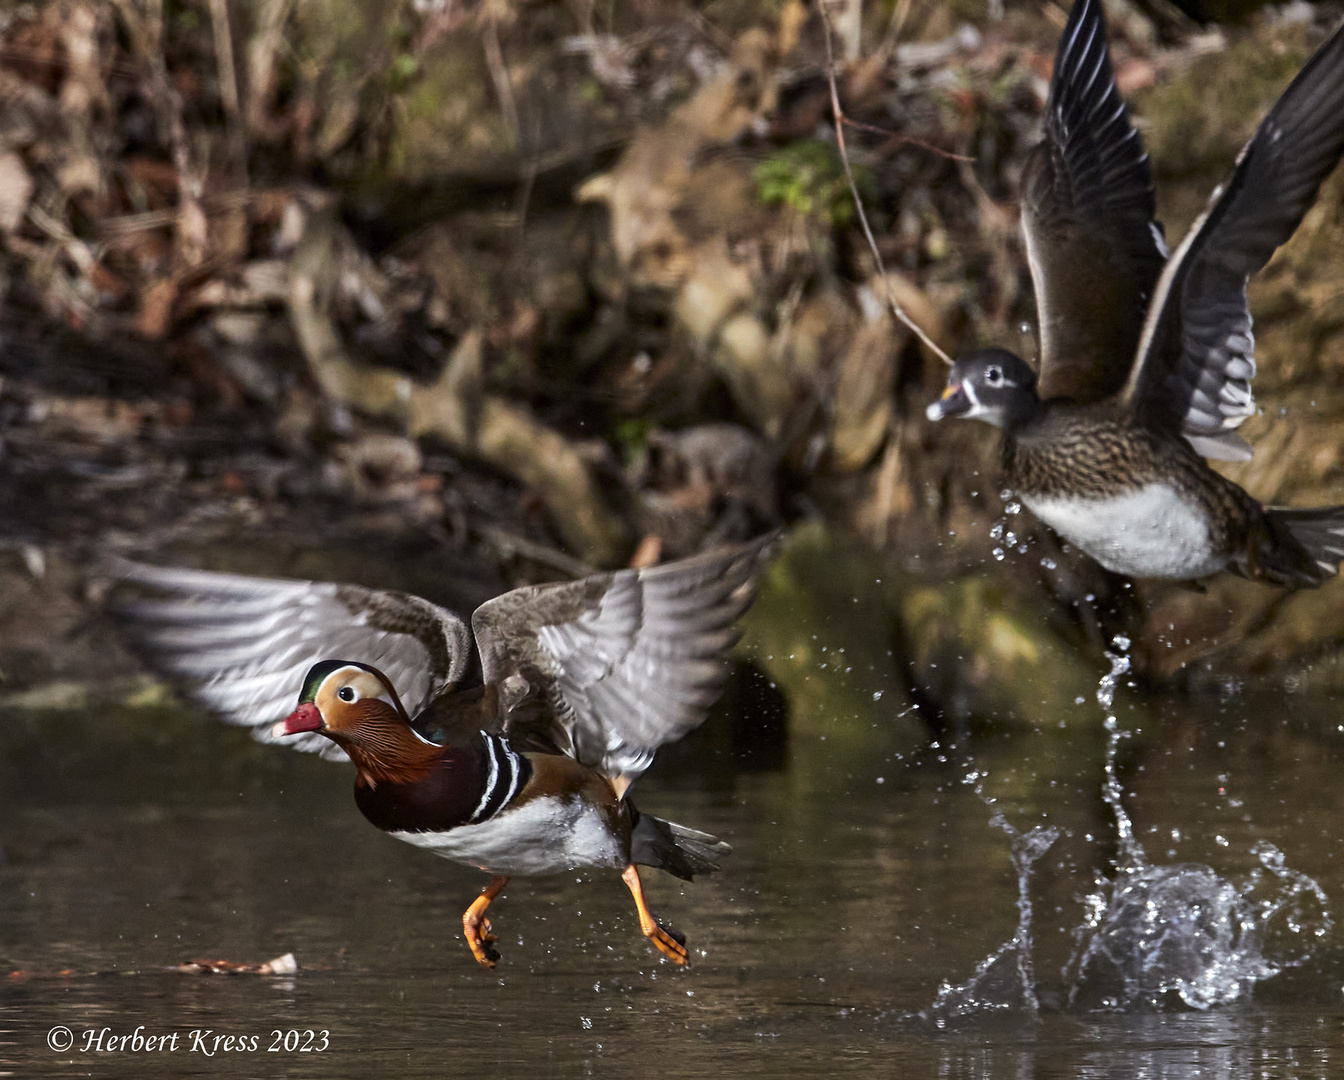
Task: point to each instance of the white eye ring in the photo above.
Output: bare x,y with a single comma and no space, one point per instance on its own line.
993,375
346,693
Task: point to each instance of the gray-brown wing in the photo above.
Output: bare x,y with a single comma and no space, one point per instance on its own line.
1094,250
631,660
1192,374
242,645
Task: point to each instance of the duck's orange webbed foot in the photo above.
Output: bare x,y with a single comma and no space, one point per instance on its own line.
667,941
476,926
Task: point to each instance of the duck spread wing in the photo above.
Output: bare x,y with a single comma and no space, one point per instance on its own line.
1196,359
629,660
1094,250
242,645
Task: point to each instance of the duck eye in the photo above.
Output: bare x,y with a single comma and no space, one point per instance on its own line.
993,375
346,693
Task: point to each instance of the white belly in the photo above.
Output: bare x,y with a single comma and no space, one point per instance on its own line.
1152,532
544,836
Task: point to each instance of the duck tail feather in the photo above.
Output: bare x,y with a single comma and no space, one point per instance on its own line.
668,846
1318,532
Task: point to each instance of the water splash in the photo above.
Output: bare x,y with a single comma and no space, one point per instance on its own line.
1182,934
1004,537
1131,853
1005,980
1160,935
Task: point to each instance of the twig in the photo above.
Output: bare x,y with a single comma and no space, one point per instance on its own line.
905,139
894,28
79,252
123,224
510,545
529,182
263,51
61,64
839,114
191,223
146,32
850,26
228,81
499,75
995,226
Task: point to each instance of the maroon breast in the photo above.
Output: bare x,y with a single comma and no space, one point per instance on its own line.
444,799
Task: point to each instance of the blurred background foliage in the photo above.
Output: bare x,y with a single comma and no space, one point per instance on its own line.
451,295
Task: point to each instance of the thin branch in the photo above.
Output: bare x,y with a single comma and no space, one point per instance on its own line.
79,252
887,49
850,26
499,74
228,82
896,309
263,55
859,125
123,224
508,545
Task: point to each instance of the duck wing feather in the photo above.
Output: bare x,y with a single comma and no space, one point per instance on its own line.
1193,368
1094,250
627,660
241,645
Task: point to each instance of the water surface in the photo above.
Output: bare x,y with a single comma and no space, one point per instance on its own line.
862,880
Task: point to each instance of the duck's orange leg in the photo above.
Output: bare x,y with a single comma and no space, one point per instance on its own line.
670,943
477,927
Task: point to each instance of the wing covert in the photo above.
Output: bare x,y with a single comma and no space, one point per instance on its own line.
629,660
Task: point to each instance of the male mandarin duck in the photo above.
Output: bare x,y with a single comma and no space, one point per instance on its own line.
525,772
1146,357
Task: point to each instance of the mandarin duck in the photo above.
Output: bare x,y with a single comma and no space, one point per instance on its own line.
1147,356
524,772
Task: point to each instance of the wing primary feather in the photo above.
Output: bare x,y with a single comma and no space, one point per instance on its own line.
1195,356
241,645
